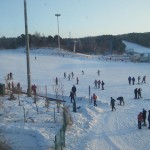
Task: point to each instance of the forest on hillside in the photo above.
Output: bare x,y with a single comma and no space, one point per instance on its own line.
105,44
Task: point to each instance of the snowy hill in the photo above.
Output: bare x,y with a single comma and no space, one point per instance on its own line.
137,48
93,127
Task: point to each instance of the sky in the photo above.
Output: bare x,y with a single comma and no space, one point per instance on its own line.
79,18
93,128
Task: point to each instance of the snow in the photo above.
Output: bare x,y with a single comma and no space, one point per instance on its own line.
137,48
93,128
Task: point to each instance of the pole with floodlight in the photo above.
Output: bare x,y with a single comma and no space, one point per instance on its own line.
27,51
57,15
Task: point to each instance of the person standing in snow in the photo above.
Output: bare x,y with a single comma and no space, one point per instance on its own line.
98,72
135,93
77,80
64,74
95,83
144,117
139,93
129,80
56,80
82,72
133,80
112,104
148,119
140,119
74,90
72,96
99,83
94,99
139,79
102,83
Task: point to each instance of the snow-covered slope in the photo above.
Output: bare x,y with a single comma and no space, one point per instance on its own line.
93,128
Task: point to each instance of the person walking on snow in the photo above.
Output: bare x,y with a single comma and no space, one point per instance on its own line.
112,104
144,79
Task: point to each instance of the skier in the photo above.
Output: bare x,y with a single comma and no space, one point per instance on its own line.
133,80
129,80
112,103
135,93
140,119
94,99
148,119
144,117
69,77
121,99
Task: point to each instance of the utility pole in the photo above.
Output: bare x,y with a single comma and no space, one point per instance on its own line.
57,15
74,46
27,51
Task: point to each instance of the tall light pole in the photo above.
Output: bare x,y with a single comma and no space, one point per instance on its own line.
27,51
57,15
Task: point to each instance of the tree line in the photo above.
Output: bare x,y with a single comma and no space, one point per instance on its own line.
105,44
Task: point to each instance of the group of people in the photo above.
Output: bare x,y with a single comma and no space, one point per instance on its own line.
9,76
112,102
137,93
141,118
97,84
131,80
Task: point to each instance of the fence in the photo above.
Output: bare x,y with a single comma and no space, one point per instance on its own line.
60,136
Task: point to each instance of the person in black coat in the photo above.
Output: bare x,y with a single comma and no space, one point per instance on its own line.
135,93
121,99
139,93
102,83
112,103
133,80
149,118
144,117
129,80
74,90
72,96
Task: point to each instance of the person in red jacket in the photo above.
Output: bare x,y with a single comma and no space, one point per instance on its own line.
140,119
94,99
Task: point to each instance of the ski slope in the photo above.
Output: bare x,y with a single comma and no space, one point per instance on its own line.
94,128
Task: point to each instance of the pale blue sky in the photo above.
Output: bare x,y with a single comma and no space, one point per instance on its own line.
79,17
